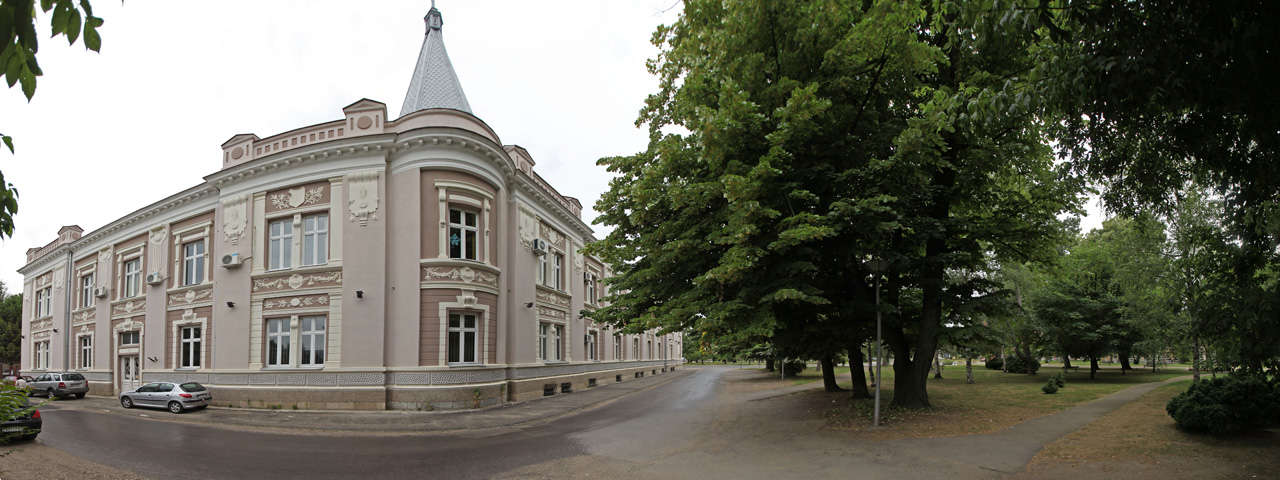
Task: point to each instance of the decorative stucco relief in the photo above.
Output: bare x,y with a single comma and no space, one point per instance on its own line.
297,197
553,299
551,313
158,235
296,281
42,335
577,260
191,296
364,197
128,307
85,316
58,272
303,301
235,217
528,227
463,274
43,324
554,237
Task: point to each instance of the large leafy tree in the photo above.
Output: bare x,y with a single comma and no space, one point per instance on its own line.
10,327
18,47
790,141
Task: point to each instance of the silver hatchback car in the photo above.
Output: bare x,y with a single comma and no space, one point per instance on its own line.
176,397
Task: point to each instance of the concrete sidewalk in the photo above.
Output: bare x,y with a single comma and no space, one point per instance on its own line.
383,421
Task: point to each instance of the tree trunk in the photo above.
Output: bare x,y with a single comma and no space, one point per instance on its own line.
768,364
1124,360
1195,359
1066,362
855,372
937,364
968,369
1093,366
1004,366
829,374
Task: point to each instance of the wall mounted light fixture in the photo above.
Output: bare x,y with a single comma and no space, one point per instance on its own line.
55,330
528,305
231,304
359,293
153,359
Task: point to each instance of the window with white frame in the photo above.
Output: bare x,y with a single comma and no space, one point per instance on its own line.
635,349
542,269
86,291
557,272
464,338
44,302
591,346
313,334
617,347
189,355
132,278
280,244
41,360
278,342
557,342
315,239
86,351
592,297
648,346
543,351
193,255
129,338
463,235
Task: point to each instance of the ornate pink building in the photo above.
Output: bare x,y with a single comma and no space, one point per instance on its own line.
368,263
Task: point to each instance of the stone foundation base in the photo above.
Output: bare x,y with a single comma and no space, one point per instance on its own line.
345,398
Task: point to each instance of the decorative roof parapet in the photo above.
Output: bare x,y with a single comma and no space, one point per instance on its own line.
434,83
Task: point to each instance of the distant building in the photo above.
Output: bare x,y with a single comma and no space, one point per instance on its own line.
365,263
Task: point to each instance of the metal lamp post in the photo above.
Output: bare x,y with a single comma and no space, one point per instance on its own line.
878,267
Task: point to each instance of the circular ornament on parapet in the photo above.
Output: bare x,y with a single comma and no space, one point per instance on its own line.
237,152
364,122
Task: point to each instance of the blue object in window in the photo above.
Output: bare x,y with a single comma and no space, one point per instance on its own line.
454,240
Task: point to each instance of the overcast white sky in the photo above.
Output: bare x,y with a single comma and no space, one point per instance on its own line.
109,133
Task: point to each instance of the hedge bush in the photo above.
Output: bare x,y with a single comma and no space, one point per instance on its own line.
995,363
1234,403
1014,364
1050,386
1060,379
794,367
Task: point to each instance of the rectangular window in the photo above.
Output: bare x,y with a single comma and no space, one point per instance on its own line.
86,291
635,349
464,335
190,356
542,341
591,346
591,289
617,347
313,340
557,270
44,302
132,278
86,352
315,239
557,334
278,342
193,263
462,234
281,245
41,360
129,338
542,269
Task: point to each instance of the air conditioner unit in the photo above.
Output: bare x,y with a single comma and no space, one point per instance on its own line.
154,278
586,276
539,246
100,292
231,261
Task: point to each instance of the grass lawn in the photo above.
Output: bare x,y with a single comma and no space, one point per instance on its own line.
997,400
1141,436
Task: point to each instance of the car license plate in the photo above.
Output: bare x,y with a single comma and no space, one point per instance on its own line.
13,429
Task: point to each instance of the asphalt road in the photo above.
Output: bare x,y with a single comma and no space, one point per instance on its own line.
653,421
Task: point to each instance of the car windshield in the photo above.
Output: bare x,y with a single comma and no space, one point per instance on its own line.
192,387
73,376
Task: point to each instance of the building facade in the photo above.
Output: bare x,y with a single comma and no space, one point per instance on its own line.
362,263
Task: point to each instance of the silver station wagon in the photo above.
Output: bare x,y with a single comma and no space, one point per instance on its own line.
174,396
60,384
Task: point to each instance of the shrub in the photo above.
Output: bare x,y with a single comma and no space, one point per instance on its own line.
1050,386
1234,403
995,363
795,367
1015,364
1060,379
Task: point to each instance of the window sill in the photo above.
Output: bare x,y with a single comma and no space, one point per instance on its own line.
187,369
555,362
289,368
465,365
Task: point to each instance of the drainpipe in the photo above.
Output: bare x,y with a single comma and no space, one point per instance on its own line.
66,313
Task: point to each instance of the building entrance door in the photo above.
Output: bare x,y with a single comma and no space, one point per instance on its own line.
129,373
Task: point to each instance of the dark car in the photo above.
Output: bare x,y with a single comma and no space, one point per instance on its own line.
21,420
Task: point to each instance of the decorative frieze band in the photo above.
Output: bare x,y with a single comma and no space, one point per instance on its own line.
128,307
301,301
553,298
459,274
84,316
552,313
296,281
191,296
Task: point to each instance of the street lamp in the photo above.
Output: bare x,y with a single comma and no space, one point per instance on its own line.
878,267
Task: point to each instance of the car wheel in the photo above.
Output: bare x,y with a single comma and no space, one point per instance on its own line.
126,402
49,393
79,395
175,407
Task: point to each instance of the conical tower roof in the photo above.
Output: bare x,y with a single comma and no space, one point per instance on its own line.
434,83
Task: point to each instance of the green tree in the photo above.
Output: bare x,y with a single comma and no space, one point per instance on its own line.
10,327
18,47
